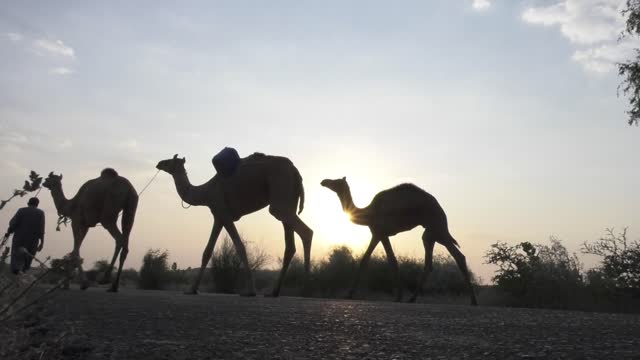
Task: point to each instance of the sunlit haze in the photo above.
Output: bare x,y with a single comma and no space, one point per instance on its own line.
505,111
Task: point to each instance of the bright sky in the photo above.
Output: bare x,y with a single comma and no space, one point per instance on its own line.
506,111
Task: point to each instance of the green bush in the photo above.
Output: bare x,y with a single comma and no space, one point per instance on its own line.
154,273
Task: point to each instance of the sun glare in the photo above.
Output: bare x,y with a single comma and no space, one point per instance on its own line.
334,227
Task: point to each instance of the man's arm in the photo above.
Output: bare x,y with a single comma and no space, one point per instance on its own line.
15,222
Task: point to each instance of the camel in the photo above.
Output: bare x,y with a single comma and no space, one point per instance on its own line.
259,181
396,210
99,201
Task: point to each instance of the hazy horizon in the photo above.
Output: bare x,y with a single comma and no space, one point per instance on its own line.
505,111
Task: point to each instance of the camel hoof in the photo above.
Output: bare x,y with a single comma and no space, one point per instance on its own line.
412,299
272,295
84,286
248,294
191,292
112,290
104,281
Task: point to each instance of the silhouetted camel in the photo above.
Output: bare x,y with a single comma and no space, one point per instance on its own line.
259,180
99,201
395,210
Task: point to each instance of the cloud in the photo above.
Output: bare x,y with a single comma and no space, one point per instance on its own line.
65,144
131,145
602,59
15,37
592,26
481,4
61,71
55,47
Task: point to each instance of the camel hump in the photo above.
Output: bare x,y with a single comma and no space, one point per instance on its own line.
108,173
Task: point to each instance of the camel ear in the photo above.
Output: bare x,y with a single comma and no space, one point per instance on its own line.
344,178
184,159
51,174
175,156
60,176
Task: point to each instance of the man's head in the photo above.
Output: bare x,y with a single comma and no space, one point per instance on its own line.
33,202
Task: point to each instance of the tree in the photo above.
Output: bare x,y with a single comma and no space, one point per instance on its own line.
620,258
630,70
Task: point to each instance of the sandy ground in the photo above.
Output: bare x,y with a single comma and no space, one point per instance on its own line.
136,324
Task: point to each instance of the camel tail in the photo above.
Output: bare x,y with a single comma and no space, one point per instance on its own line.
301,194
129,212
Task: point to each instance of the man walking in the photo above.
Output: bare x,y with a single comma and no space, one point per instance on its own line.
27,227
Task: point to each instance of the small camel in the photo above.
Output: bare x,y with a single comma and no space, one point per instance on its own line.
259,180
396,210
99,201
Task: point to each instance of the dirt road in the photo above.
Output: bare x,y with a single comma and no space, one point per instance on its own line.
167,325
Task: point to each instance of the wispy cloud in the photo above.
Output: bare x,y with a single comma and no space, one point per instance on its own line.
65,144
15,37
593,26
54,47
481,4
130,145
61,71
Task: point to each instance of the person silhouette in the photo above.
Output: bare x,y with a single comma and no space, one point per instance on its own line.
27,227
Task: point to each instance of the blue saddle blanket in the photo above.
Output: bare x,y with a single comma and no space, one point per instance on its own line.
226,161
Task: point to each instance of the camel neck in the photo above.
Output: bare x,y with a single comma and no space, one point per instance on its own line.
356,214
192,195
60,201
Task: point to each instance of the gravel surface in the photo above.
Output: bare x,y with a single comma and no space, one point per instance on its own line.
136,324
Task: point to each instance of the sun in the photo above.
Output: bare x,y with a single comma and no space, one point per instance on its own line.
333,227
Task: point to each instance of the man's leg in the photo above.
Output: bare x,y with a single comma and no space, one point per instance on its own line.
28,258
17,259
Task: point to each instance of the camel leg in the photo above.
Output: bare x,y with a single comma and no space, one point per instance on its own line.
428,243
306,235
289,251
122,249
363,263
206,256
118,239
123,256
79,233
242,252
289,218
391,258
462,265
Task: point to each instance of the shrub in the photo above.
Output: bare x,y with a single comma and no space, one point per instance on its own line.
129,277
536,275
154,273
226,265
98,271
335,272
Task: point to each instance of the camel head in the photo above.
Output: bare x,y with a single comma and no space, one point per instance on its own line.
52,181
339,186
172,166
